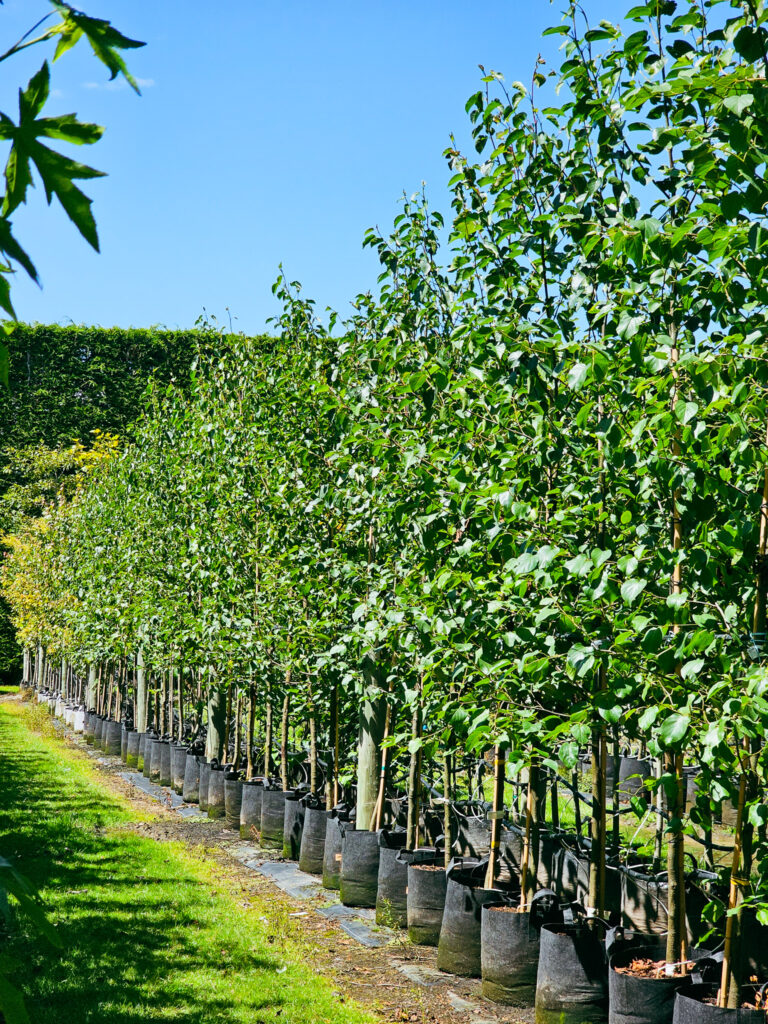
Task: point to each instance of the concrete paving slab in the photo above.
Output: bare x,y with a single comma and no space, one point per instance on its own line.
362,933
338,912
429,977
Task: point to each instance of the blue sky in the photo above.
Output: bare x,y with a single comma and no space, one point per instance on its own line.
267,133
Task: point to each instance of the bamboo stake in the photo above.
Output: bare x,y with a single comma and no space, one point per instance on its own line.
238,723
335,733
180,705
268,737
378,809
313,752
414,780
733,895
524,871
499,768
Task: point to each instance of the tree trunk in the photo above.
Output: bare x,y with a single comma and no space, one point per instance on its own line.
250,731
414,782
217,703
238,731
284,741
370,735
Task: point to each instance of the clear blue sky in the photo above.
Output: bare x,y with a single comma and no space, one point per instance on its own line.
266,133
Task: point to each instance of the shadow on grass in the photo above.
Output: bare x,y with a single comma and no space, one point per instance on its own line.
144,940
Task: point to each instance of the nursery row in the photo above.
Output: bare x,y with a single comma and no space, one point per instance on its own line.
537,949
511,512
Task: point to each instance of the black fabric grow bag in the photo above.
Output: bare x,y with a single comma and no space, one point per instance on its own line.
293,825
191,790
205,775
509,947
458,950
165,763
332,848
132,749
272,818
636,1000
111,738
313,837
233,800
425,902
178,767
473,830
392,886
572,981
359,867
689,1008
250,807
125,732
216,801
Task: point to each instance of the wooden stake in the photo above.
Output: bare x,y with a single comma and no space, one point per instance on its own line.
499,769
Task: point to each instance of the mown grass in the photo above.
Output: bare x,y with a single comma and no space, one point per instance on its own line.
149,931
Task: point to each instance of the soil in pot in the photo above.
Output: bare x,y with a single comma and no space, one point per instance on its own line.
509,948
639,992
313,838
696,1005
233,800
250,807
272,818
359,867
458,950
216,798
572,980
293,825
427,884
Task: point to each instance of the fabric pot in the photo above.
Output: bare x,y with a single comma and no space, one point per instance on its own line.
332,849
111,738
165,763
392,885
359,867
632,773
142,750
473,838
191,790
509,948
79,721
272,817
147,766
178,767
124,734
90,721
132,749
458,950
293,826
155,756
205,775
634,1000
313,840
233,800
689,1008
98,727
425,902
216,799
644,903
572,981
250,807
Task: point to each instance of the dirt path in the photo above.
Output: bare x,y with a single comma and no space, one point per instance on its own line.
398,981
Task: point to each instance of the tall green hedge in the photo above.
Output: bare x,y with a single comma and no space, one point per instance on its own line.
67,381
64,383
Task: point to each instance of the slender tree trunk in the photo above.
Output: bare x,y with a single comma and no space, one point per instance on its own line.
284,741
312,752
217,704
249,731
447,813
238,731
414,780
268,738
499,770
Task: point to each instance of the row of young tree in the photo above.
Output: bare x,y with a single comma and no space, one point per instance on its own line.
518,499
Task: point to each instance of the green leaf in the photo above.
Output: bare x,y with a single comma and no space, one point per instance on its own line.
577,375
631,589
673,729
104,39
692,668
5,363
738,104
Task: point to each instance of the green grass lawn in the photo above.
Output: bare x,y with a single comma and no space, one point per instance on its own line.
149,932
